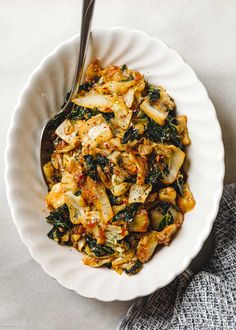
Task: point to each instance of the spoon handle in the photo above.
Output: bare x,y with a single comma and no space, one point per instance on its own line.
86,20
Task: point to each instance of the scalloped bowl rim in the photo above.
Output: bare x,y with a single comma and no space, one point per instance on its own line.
10,188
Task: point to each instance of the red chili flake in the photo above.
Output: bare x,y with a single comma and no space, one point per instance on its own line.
80,178
91,224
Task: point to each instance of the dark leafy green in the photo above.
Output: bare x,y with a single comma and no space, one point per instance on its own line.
56,235
91,163
98,249
114,200
154,95
131,179
179,185
102,161
106,165
108,265
166,133
165,221
86,86
124,67
107,115
135,268
129,78
154,176
91,167
164,207
130,135
127,214
81,113
60,217
157,170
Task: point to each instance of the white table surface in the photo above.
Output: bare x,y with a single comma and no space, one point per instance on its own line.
202,31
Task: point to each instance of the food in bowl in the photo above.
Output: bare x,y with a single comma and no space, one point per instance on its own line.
117,185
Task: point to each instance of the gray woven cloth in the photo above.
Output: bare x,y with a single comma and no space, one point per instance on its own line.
203,301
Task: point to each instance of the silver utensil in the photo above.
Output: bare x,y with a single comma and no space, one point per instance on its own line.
48,131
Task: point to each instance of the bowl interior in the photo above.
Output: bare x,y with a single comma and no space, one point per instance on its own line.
42,98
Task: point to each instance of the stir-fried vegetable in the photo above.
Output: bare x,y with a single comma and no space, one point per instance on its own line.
117,186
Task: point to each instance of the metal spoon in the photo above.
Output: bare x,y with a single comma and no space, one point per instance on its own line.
48,131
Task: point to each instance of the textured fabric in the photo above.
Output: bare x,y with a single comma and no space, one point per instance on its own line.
203,301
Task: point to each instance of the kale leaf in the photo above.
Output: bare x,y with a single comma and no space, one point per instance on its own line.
135,268
106,165
130,135
127,214
81,113
98,249
108,115
54,233
154,176
86,86
165,221
156,170
114,200
131,179
166,133
60,217
124,67
154,95
129,78
102,161
91,167
91,163
179,185
165,206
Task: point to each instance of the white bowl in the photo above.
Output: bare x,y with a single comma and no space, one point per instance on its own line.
42,97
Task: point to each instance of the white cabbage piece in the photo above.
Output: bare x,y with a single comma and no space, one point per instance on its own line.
118,187
159,109
103,102
123,258
55,197
97,194
114,156
175,162
95,131
129,97
154,112
122,113
68,131
138,193
114,233
93,100
117,87
147,246
77,207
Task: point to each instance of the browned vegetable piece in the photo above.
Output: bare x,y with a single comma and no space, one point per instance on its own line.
187,202
146,246
140,223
